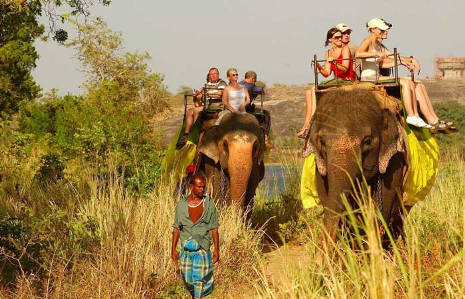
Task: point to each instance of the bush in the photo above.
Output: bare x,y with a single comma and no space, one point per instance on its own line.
76,133
20,249
452,111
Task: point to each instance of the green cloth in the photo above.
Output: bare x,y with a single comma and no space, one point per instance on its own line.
200,230
335,81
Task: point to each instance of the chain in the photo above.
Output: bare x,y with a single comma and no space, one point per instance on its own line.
378,194
222,185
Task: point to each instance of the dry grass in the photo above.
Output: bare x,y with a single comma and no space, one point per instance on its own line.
132,257
429,263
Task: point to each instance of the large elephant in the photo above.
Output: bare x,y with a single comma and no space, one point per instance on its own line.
351,136
231,156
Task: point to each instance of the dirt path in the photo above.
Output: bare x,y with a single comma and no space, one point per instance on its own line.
278,261
283,258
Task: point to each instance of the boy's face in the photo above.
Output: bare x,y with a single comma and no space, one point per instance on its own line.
198,187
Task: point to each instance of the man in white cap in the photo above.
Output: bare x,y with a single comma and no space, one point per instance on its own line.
346,31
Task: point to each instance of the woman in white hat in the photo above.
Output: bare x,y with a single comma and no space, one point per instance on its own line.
426,107
374,56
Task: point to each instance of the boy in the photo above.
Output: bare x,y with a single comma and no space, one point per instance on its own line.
196,223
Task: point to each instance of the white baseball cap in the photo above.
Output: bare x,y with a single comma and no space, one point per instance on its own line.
378,23
343,27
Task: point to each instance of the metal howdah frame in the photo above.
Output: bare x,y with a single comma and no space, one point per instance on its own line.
205,99
396,69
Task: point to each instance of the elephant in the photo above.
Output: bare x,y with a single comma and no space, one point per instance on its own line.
231,157
353,138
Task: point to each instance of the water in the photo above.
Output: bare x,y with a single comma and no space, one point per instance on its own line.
274,180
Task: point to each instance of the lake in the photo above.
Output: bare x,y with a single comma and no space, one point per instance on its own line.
274,180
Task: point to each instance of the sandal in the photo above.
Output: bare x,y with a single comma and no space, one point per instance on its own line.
450,127
447,123
438,127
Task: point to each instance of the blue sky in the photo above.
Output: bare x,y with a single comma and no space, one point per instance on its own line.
277,39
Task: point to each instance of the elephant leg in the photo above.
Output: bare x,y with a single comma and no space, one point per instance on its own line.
214,181
331,221
393,210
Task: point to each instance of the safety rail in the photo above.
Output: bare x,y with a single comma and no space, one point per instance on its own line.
206,101
396,70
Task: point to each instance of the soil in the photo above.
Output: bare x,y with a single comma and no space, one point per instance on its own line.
282,258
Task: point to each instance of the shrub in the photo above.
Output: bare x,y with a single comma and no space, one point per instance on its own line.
452,111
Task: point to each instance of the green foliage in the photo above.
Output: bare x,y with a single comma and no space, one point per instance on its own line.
455,112
20,249
260,83
51,168
18,30
280,214
72,8
184,89
172,291
115,77
80,133
59,153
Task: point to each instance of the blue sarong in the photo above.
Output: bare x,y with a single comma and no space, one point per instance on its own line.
196,268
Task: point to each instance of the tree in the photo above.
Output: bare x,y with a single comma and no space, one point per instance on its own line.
49,9
18,30
114,75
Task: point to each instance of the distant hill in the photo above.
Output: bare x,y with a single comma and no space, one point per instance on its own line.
287,106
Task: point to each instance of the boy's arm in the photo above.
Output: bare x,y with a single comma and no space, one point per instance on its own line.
216,242
174,243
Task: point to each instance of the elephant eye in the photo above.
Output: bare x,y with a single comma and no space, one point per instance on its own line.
367,142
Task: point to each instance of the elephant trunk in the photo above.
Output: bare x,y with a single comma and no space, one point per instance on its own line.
340,171
240,165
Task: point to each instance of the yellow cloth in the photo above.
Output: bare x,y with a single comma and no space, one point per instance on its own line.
421,175
176,161
308,192
423,167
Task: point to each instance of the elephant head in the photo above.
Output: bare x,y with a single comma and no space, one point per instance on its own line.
236,146
351,137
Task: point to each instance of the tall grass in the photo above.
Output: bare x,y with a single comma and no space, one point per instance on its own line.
132,258
128,255
428,263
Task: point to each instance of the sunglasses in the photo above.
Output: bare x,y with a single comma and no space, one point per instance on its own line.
348,32
337,37
234,75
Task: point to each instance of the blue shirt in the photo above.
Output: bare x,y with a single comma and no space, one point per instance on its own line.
253,89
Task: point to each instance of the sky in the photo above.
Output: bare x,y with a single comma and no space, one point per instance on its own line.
277,39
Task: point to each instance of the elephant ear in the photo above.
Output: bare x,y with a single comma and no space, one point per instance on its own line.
392,140
208,144
309,148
